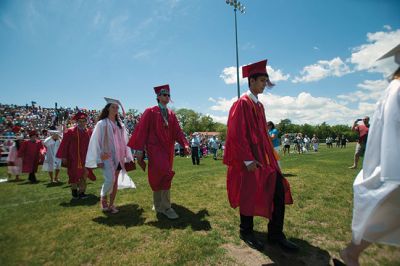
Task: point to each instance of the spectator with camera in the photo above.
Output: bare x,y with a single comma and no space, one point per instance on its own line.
362,130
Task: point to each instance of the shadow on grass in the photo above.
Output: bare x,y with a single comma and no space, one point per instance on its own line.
186,218
55,184
69,186
15,181
308,254
89,201
30,183
129,215
288,175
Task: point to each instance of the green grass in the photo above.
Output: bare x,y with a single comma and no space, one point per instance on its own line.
40,225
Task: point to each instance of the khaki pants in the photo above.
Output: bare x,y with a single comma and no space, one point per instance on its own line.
162,200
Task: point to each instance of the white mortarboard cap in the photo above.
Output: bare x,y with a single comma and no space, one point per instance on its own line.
111,100
115,101
394,52
52,132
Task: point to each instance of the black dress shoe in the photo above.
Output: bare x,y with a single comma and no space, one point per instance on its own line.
337,262
74,193
252,241
82,195
285,244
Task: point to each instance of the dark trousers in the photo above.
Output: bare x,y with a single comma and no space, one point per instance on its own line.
275,225
32,177
214,152
195,155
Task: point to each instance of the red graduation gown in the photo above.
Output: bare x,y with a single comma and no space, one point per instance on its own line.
248,140
30,153
151,134
73,147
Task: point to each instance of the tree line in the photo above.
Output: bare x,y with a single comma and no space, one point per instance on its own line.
322,131
192,121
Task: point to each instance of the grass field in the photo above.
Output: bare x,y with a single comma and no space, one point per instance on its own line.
41,225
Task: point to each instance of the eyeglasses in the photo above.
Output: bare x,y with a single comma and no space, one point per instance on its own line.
164,94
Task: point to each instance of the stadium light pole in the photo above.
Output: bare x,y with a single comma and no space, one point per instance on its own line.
236,6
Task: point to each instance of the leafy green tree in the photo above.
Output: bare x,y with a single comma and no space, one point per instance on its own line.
221,128
188,119
133,112
285,126
307,129
206,124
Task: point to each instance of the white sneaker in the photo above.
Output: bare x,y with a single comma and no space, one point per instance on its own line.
171,214
113,209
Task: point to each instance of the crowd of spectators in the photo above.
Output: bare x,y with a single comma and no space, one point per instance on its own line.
17,121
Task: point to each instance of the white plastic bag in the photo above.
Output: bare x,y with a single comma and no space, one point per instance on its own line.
124,181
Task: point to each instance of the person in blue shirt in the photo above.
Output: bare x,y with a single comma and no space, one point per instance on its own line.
273,134
213,142
195,145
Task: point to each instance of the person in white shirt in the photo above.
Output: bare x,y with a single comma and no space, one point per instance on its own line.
376,211
108,150
286,144
315,142
51,163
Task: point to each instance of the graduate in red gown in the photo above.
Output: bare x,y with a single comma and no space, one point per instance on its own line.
30,151
254,180
72,151
156,132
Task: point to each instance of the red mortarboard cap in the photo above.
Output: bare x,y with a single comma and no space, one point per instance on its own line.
32,133
255,68
79,115
16,129
161,89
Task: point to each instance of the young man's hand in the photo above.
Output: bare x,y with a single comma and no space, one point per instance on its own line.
253,166
139,156
187,150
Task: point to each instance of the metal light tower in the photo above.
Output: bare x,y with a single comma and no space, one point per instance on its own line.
236,6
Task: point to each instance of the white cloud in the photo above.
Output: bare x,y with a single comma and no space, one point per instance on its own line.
374,85
142,54
228,75
118,30
371,90
220,119
300,109
222,104
33,16
124,28
335,67
364,56
315,48
387,27
276,75
248,46
171,3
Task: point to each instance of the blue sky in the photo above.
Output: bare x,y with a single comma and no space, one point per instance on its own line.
321,54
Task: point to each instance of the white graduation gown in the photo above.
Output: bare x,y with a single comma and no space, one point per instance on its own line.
51,162
101,142
376,213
